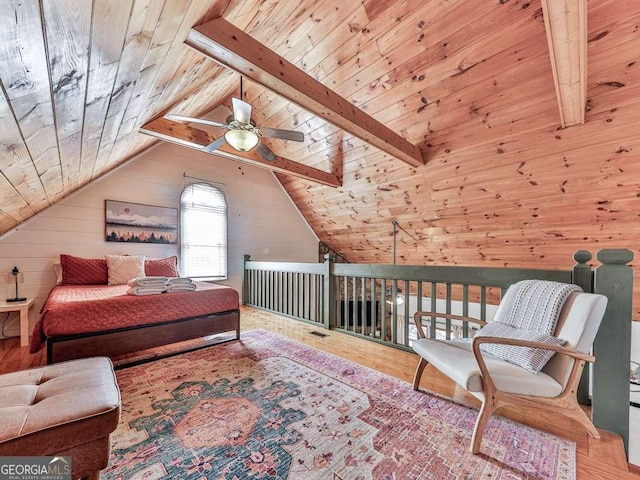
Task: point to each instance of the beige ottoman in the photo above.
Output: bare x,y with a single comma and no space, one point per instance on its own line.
64,409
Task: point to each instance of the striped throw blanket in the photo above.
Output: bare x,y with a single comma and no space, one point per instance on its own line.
536,304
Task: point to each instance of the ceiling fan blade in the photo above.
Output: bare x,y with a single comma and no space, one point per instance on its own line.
241,111
265,152
282,134
216,144
182,118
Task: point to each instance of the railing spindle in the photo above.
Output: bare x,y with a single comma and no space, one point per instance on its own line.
286,288
265,289
318,299
311,299
355,304
394,311
434,307
345,304
465,310
374,308
361,312
254,286
311,306
287,292
406,312
483,303
307,311
279,291
298,294
276,291
448,310
383,309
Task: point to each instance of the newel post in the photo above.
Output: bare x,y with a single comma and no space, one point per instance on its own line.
245,280
612,347
329,300
582,275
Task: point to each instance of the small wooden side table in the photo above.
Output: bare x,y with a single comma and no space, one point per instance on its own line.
23,308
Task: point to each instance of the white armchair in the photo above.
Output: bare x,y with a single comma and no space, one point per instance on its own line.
498,382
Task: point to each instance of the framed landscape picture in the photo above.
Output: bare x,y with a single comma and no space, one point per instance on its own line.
138,223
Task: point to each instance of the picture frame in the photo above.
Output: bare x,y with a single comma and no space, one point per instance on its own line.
140,223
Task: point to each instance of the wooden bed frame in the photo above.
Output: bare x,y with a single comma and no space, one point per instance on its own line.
111,343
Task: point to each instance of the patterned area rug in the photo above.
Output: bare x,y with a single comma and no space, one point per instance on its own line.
271,408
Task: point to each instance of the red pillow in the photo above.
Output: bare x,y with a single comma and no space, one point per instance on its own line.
83,271
162,267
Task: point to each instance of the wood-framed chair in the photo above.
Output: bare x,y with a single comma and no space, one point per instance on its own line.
498,383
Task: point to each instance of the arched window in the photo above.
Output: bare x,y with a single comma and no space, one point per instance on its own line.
203,226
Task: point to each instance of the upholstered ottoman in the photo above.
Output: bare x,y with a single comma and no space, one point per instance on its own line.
64,409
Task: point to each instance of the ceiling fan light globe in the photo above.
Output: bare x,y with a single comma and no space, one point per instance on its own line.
242,140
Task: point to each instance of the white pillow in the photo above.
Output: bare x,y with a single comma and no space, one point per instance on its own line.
531,359
123,268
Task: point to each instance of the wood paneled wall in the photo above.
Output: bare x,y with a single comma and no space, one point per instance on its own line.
258,212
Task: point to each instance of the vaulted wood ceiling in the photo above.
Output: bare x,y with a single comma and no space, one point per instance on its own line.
469,82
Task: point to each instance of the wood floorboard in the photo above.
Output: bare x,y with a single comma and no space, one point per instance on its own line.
596,459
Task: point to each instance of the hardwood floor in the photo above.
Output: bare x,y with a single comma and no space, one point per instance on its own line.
601,459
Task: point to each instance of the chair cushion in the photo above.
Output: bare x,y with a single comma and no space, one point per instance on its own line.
578,324
531,359
456,360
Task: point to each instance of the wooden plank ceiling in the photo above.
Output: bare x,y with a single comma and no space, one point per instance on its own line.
470,82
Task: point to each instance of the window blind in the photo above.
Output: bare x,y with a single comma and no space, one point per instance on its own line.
203,224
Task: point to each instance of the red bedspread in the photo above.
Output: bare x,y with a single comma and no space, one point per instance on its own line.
75,309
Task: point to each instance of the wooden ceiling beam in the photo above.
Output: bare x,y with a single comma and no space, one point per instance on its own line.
565,22
229,46
187,136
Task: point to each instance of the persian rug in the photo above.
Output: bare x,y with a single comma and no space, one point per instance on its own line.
270,408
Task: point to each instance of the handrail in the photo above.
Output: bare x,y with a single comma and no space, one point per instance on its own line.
315,268
499,277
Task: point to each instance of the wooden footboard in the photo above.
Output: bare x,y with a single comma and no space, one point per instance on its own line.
112,343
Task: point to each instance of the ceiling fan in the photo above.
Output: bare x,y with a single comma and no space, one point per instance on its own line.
242,132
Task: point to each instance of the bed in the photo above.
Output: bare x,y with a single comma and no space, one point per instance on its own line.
80,321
